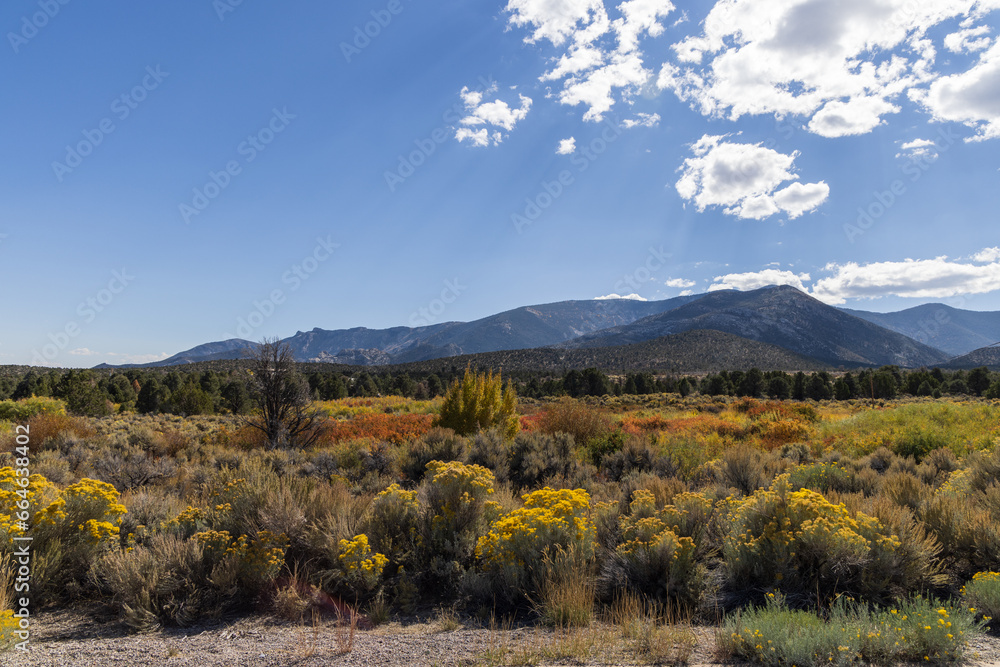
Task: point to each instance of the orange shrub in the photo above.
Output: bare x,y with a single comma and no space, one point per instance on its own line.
245,437
398,429
532,422
703,424
570,416
634,425
780,432
48,425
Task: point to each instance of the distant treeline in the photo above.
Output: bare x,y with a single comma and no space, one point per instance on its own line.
193,391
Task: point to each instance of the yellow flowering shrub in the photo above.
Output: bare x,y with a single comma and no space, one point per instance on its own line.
255,560
89,506
8,624
548,519
69,528
550,535
25,409
392,523
798,541
982,595
653,558
19,501
187,522
456,511
361,568
958,484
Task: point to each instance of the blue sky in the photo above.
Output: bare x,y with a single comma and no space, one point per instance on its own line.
183,173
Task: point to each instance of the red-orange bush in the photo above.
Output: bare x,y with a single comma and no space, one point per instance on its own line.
395,428
640,425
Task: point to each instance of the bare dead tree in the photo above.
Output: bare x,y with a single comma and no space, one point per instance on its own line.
280,396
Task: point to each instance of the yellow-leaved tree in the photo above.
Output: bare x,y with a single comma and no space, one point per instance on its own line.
480,401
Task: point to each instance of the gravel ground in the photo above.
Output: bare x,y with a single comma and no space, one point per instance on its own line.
80,639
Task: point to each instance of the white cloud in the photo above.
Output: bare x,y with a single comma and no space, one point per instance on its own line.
686,292
566,146
477,137
840,63
797,198
744,179
756,280
642,120
987,255
631,297
555,20
120,357
600,61
971,97
485,115
137,358
928,279
860,115
918,149
969,39
680,282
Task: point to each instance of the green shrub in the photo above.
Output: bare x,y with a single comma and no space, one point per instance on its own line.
969,535
743,468
491,450
605,444
905,490
918,443
537,457
916,630
438,444
982,595
822,477
25,409
636,456
176,581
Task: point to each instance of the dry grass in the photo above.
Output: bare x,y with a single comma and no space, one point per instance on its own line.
447,620
344,631
508,647
309,638
655,635
6,583
567,601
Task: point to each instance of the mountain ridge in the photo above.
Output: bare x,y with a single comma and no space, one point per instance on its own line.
782,316
775,315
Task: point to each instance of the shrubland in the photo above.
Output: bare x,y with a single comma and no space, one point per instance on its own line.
829,531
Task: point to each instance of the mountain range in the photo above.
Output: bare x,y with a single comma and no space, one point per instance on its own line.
776,327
